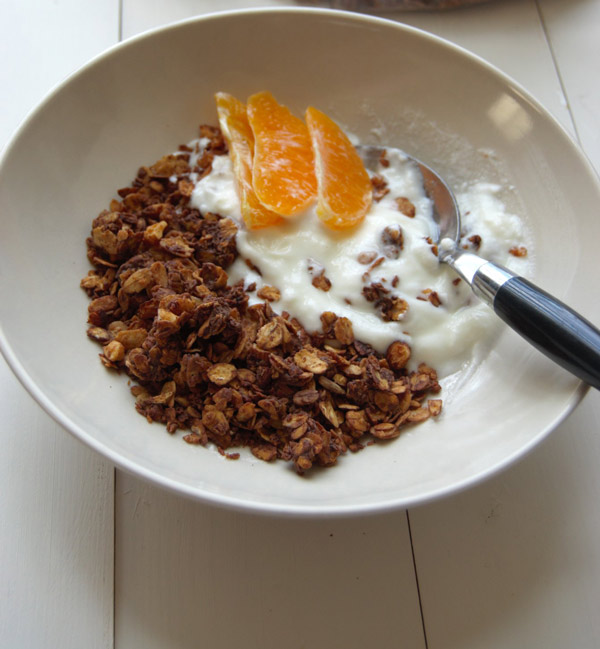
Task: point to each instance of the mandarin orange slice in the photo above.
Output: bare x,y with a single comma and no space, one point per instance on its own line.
236,130
344,188
283,174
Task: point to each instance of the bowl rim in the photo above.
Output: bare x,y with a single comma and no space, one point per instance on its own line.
232,502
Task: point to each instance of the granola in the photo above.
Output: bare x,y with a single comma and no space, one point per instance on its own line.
206,361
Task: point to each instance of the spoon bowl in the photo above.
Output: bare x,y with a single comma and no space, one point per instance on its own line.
446,212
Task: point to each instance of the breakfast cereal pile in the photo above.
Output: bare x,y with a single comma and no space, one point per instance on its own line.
207,362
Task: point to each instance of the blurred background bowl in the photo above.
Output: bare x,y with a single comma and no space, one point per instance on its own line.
392,5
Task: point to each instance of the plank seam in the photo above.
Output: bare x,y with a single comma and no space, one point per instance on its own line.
557,68
114,625
414,561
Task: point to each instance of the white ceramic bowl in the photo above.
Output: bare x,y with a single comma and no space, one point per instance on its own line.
142,98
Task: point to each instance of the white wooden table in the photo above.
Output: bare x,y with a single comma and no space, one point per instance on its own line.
90,557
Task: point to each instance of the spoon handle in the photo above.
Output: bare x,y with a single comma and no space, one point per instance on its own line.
548,324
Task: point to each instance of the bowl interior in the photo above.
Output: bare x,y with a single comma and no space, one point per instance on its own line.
385,82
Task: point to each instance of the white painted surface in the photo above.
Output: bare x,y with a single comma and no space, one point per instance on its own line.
516,562
41,43
512,563
509,35
56,534
56,496
191,576
573,30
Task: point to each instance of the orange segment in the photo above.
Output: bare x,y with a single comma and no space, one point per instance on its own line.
234,124
283,174
345,192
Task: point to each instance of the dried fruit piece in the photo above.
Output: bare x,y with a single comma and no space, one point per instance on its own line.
283,172
344,187
234,124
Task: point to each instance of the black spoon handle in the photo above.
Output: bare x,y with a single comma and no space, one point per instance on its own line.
548,324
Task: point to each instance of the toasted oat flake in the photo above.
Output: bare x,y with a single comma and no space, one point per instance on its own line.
367,258
406,207
343,331
270,335
321,282
309,360
518,251
221,373
418,415
435,407
397,355
380,187
269,293
385,431
131,338
153,233
114,351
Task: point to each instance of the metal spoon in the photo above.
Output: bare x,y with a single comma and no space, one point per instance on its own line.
548,324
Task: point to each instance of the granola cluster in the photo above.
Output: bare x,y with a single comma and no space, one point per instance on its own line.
206,361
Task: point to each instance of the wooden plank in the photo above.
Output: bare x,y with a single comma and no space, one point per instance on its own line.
141,15
574,29
511,563
239,580
44,42
528,60
186,572
188,575
516,561
56,497
509,35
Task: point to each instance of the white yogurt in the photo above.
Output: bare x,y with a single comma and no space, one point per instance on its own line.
445,336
